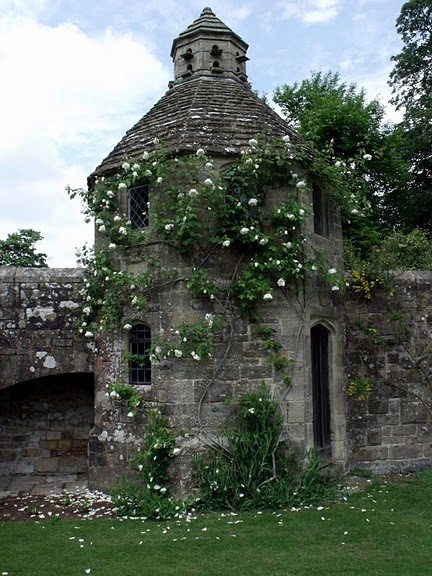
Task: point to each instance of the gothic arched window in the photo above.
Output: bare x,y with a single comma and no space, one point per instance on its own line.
139,350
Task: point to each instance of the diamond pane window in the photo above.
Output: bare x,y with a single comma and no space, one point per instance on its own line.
138,206
139,346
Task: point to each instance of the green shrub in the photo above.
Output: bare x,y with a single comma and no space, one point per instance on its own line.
256,469
411,251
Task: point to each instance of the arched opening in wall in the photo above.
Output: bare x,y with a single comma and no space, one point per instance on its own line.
320,358
45,425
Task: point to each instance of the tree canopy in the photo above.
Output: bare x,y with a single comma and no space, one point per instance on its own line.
411,81
18,249
337,119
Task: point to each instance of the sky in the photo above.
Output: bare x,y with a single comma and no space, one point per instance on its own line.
75,75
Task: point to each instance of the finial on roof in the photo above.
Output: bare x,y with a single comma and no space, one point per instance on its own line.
208,48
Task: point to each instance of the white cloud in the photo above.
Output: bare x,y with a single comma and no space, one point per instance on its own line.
64,97
311,11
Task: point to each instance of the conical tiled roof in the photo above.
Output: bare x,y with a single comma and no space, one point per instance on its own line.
218,112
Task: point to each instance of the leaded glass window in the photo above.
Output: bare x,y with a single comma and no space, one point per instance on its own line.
138,198
139,348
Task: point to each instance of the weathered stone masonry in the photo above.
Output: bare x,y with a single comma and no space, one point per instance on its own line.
392,429
55,415
46,382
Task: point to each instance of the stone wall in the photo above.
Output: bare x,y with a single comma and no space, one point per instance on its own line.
45,425
389,341
196,396
46,380
38,313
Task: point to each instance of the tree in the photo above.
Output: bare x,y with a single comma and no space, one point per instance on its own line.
411,81
19,250
336,119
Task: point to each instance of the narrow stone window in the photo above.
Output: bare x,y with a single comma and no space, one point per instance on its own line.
139,347
138,199
319,211
320,338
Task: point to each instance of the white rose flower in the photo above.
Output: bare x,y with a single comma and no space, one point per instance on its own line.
169,227
122,230
281,282
110,194
252,142
127,327
286,138
88,334
244,231
102,228
126,166
301,184
332,271
112,246
130,414
367,157
178,353
208,182
193,192
87,310
122,186
176,451
99,221
335,288
148,173
268,296
145,155
263,241
226,243
253,202
200,152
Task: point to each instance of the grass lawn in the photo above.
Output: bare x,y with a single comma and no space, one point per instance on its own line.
384,530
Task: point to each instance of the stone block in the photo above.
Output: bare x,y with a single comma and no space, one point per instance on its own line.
49,444
405,451
378,406
413,412
406,430
371,453
43,465
374,437
256,372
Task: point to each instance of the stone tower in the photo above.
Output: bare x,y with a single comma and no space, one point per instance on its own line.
211,108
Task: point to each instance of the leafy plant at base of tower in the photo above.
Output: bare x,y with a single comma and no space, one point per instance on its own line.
148,494
255,468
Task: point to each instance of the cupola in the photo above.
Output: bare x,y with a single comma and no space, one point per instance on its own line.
209,48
